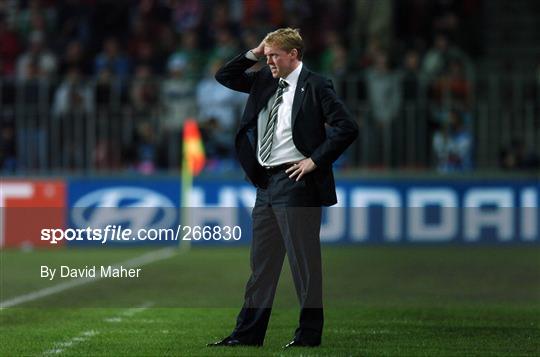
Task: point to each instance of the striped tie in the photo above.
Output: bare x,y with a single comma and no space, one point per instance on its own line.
266,143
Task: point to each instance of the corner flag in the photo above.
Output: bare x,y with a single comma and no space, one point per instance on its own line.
193,149
193,160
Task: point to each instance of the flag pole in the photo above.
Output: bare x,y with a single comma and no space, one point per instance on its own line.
193,159
186,184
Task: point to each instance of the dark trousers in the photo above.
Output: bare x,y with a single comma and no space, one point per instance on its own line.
286,220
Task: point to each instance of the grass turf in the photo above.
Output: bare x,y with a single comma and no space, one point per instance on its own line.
383,301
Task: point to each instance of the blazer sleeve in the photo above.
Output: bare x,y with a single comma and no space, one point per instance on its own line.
233,75
344,129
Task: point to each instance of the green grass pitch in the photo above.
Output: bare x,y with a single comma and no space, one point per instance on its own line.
379,301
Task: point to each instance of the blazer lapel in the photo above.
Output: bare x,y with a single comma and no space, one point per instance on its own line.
265,95
261,100
299,94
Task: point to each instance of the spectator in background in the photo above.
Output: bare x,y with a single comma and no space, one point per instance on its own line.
439,56
144,96
452,145
189,54
146,56
373,49
415,111
451,90
219,18
8,158
35,69
371,20
109,92
250,39
10,48
186,15
75,56
268,12
454,84
385,98
112,69
36,18
219,111
37,61
73,96
225,47
146,152
108,156
109,97
147,44
517,157
144,90
73,23
384,90
178,96
178,102
154,13
113,59
140,32
435,58
457,19
410,73
166,42
333,60
73,105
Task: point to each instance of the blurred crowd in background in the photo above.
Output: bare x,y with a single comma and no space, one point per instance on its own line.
151,62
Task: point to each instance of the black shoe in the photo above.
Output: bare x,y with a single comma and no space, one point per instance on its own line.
297,343
231,342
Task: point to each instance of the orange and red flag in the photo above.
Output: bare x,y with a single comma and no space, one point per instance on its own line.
193,148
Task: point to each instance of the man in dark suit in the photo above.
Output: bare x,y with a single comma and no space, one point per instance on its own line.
287,152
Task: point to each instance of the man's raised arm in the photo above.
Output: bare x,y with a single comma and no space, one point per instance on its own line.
233,75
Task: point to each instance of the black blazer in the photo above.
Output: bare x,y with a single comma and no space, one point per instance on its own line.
315,104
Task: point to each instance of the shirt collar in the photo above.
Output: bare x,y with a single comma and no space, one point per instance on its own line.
292,78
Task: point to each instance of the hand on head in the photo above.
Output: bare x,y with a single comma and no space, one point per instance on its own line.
259,50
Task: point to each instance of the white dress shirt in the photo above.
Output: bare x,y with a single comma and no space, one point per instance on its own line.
283,148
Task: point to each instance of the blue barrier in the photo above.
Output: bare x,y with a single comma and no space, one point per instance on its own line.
369,211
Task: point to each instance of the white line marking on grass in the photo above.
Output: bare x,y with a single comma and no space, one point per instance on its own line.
141,260
136,310
61,346
129,312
